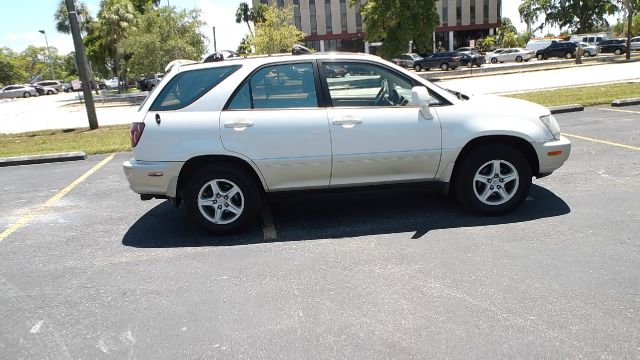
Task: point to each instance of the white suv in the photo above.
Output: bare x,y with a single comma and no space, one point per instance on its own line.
218,135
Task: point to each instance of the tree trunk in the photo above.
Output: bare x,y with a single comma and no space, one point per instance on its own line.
629,27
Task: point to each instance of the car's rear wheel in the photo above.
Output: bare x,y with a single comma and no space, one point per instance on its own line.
568,55
417,67
49,92
493,179
223,200
26,94
540,57
444,66
617,51
518,58
587,54
494,60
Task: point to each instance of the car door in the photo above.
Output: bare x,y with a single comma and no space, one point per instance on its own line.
274,119
377,136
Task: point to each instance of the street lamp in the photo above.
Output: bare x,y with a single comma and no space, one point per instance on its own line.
53,74
215,47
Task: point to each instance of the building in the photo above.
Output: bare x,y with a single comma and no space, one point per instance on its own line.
335,25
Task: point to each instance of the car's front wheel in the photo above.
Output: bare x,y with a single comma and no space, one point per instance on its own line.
417,67
519,59
493,179
540,57
587,54
618,51
221,199
568,55
494,60
26,94
444,66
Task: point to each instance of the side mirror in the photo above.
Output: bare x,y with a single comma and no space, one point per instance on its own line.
420,97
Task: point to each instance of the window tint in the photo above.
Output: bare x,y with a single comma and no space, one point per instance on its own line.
360,84
188,86
278,87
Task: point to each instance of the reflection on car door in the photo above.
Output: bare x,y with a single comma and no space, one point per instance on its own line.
275,121
376,135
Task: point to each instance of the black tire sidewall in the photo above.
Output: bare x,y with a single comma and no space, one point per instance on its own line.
246,184
463,181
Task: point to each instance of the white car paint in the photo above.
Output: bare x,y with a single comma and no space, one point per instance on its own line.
512,54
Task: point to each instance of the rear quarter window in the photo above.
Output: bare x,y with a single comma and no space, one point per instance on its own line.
188,86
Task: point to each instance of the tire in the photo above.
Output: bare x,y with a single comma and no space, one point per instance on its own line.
514,179
568,55
518,58
453,68
444,66
207,189
26,94
586,54
540,57
617,51
527,60
494,60
49,92
417,67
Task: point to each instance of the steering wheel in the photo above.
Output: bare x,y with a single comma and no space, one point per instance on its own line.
384,90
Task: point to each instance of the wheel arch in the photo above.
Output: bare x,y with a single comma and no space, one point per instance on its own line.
517,143
195,163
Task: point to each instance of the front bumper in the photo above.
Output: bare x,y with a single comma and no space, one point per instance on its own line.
153,177
552,154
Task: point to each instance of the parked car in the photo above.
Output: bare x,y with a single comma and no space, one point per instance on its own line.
591,39
616,46
471,58
588,50
535,45
559,49
66,87
14,91
406,60
51,84
635,43
466,49
512,54
153,80
112,83
442,60
218,136
43,90
336,71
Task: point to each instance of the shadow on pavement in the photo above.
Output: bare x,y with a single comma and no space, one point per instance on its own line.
302,216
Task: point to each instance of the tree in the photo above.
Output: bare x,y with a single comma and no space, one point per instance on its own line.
581,16
61,17
142,6
161,36
488,43
245,46
277,33
11,70
396,22
509,40
115,19
630,6
506,27
529,12
243,14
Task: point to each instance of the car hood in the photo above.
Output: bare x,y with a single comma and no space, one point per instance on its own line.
494,104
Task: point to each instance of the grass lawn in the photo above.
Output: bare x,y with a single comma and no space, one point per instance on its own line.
586,96
105,139
116,138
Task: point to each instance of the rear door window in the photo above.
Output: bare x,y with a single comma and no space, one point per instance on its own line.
187,87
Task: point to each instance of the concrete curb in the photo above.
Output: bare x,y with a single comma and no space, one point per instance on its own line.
42,159
625,102
566,108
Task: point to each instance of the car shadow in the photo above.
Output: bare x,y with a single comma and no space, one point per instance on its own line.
315,216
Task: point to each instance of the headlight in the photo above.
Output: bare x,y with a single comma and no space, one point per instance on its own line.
550,122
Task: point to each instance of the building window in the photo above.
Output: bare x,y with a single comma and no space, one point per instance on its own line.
472,13
485,10
312,15
266,2
499,10
358,17
458,12
297,19
343,15
445,13
327,13
280,3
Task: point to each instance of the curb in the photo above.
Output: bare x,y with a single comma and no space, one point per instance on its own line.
566,108
42,159
625,102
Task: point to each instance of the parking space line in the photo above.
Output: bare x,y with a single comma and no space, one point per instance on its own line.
636,148
620,110
31,215
268,228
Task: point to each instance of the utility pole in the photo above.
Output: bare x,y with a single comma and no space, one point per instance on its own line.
215,48
53,73
83,66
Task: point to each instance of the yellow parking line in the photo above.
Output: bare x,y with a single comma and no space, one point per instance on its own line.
30,216
602,142
620,110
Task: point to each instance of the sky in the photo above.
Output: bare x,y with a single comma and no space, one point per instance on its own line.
20,21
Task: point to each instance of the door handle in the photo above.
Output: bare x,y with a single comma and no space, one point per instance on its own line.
347,121
239,125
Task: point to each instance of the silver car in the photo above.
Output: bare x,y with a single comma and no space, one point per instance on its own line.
588,49
14,91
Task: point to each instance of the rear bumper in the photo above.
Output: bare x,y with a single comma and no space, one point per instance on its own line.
552,154
152,177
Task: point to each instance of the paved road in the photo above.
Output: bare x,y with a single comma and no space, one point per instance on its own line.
59,111
378,274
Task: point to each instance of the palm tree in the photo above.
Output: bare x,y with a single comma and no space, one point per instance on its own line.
243,14
115,19
61,17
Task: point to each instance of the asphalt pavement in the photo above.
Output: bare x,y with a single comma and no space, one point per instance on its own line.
90,271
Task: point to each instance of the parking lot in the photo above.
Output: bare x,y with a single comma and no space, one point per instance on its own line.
88,270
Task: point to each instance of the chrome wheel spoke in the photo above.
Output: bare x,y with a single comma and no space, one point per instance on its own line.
221,201
503,193
234,209
218,215
509,178
486,193
205,202
482,179
496,167
499,180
